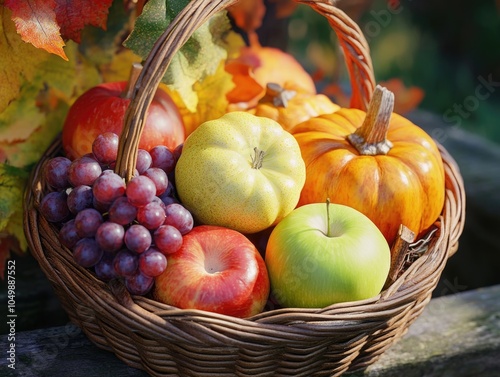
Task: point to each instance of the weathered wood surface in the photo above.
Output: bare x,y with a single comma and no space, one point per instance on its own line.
457,335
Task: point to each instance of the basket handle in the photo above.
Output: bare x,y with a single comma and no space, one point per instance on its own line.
351,39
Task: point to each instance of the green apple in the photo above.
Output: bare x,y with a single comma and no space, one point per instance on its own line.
323,253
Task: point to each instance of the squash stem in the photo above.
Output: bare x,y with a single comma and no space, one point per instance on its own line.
371,137
257,158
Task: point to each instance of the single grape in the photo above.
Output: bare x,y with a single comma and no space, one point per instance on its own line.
179,217
140,190
109,236
157,200
152,262
122,211
144,161
177,151
108,187
100,206
139,284
167,239
137,238
160,179
87,222
105,147
167,199
56,172
163,158
68,235
152,215
105,269
87,253
79,198
84,171
54,207
125,263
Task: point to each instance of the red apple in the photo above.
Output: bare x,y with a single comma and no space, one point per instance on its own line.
217,269
102,109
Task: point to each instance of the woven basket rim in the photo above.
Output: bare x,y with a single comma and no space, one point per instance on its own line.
139,329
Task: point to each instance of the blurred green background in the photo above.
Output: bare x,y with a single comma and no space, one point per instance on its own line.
446,48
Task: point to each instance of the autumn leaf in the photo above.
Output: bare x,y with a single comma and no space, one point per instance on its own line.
20,60
247,89
405,98
198,58
12,182
73,16
212,102
36,23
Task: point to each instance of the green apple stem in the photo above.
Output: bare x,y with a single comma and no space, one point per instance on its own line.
328,217
257,158
371,138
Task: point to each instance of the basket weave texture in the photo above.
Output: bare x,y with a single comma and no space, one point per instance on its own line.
165,340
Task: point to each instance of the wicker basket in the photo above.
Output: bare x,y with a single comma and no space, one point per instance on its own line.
165,340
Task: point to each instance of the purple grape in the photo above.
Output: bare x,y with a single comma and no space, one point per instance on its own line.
137,238
84,171
87,222
79,198
109,236
160,179
68,235
139,284
152,262
108,187
122,211
179,217
56,172
54,207
105,147
125,263
166,199
167,239
178,151
144,161
140,190
105,269
163,158
152,215
100,206
87,253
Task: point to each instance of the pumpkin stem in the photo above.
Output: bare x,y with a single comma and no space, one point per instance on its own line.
257,158
276,94
371,137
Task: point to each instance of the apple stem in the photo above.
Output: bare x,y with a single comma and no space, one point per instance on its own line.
257,158
276,94
371,138
135,71
328,217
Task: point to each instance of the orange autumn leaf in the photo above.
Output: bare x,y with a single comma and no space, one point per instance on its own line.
246,88
74,15
36,23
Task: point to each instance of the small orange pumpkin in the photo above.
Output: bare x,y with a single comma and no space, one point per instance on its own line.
290,107
377,162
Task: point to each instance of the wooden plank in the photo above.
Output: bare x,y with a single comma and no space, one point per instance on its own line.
456,335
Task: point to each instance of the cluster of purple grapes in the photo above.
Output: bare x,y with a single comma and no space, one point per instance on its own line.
121,230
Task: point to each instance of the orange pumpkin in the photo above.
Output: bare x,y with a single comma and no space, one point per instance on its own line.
291,107
377,162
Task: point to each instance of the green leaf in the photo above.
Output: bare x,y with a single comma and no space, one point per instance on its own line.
197,59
